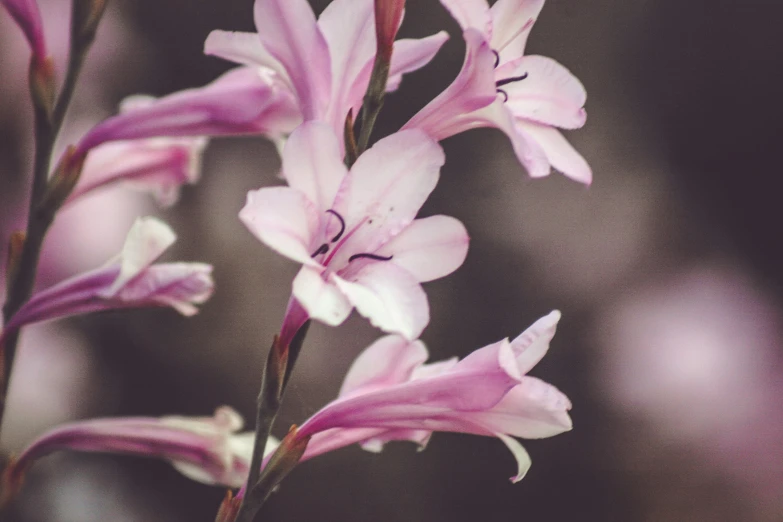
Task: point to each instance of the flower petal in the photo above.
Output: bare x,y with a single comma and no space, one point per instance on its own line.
27,16
313,165
411,54
389,297
387,186
288,30
429,248
284,219
531,345
178,285
242,48
512,21
321,299
549,93
559,152
471,14
520,454
451,112
389,360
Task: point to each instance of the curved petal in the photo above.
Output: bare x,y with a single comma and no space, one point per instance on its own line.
411,54
387,186
288,30
389,360
531,345
520,455
558,151
283,219
471,14
430,248
147,240
474,88
548,94
512,21
242,48
313,165
321,299
389,297
178,285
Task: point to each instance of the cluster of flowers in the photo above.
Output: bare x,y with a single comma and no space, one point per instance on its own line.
348,215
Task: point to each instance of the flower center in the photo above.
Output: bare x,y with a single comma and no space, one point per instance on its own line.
501,83
324,248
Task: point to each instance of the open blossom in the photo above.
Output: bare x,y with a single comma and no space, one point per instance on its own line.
27,16
242,101
390,394
355,232
129,281
524,96
206,449
325,62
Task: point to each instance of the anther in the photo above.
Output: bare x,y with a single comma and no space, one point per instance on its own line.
342,225
370,256
504,93
501,83
321,250
497,58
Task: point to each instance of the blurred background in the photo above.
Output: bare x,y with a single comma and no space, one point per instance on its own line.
667,271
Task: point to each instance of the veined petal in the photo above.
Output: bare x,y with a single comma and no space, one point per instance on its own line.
512,21
385,189
474,88
411,54
389,360
242,48
321,299
313,165
471,14
520,455
429,248
389,297
549,93
531,345
178,285
288,30
284,219
558,151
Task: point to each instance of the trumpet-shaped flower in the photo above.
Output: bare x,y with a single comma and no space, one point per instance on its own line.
526,97
390,394
129,281
355,232
205,449
325,62
242,101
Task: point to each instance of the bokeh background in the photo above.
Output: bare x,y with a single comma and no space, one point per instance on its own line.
667,271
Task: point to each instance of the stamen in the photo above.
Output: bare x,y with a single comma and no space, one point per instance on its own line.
501,83
497,58
370,256
342,225
504,93
321,250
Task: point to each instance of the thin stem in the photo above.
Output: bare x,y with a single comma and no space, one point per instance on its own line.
373,101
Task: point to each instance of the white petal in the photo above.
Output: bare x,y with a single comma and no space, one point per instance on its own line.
322,299
411,54
512,21
283,219
430,248
520,454
242,48
531,345
558,151
389,360
389,297
471,14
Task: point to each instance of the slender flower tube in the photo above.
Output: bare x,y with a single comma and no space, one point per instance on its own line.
325,62
27,16
390,394
355,232
206,449
242,101
526,97
129,281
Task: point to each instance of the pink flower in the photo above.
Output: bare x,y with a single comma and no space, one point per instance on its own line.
242,101
130,281
325,62
27,16
205,449
526,96
390,394
355,232
156,165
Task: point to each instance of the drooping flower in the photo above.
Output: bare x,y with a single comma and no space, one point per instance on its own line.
390,394
27,16
355,232
242,101
206,449
325,62
129,281
526,97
